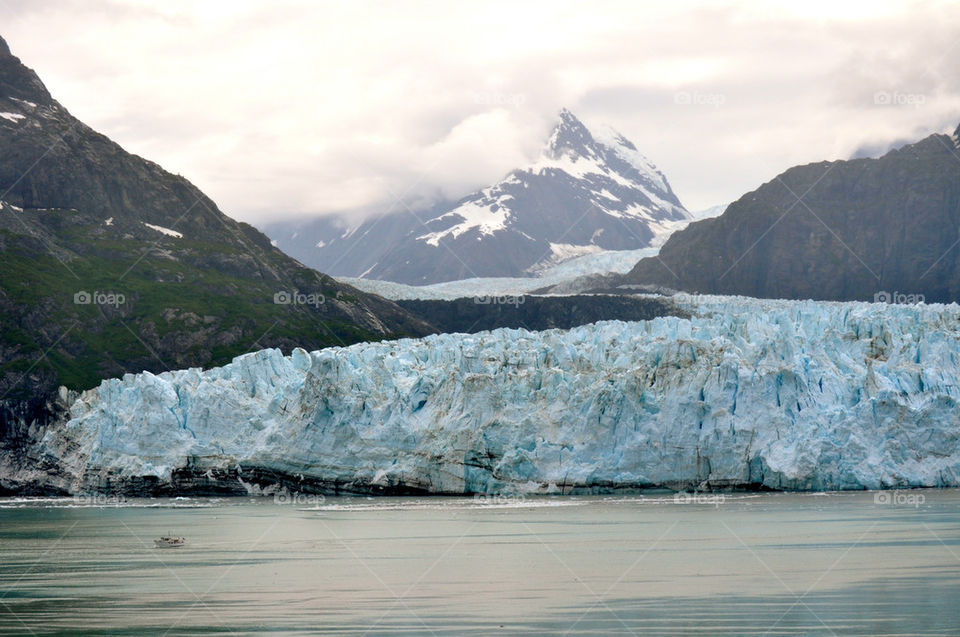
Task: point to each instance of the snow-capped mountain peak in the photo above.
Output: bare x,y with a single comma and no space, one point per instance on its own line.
585,192
607,148
588,190
569,137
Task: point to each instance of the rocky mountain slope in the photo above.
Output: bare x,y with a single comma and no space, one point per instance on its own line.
588,191
863,229
747,394
111,265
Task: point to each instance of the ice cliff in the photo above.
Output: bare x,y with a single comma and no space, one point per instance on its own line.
778,394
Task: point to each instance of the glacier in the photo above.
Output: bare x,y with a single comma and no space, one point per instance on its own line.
565,272
745,393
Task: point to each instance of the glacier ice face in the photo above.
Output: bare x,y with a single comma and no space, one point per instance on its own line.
799,395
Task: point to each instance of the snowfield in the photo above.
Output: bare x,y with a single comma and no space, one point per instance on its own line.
165,231
750,393
605,262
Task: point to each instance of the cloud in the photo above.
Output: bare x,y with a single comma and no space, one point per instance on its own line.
297,108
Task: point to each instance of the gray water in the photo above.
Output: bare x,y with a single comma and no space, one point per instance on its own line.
814,564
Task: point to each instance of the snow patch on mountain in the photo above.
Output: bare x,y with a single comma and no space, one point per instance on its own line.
13,117
487,215
162,230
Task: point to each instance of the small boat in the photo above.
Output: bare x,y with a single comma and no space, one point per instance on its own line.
170,542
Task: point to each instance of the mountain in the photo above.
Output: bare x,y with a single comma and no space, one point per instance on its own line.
335,245
588,191
863,229
111,265
746,394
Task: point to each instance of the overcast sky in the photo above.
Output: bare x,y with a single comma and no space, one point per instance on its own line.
283,108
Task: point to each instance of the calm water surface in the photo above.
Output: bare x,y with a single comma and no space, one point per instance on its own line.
815,564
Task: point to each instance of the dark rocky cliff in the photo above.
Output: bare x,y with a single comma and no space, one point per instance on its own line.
844,230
